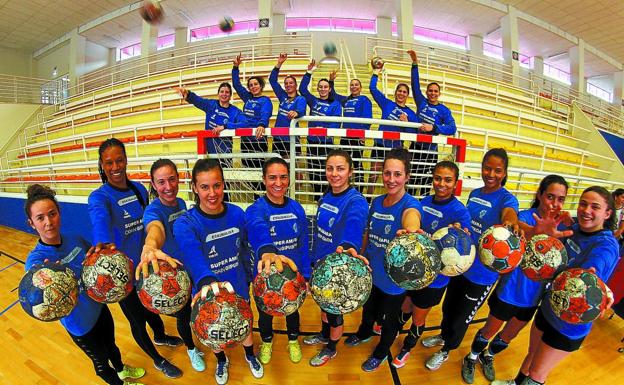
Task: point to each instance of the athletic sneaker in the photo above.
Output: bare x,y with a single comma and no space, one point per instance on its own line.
168,369
294,351
432,341
354,340
130,372
266,349
371,364
221,372
503,382
436,360
255,366
322,357
168,341
468,369
487,364
315,339
401,359
377,329
197,359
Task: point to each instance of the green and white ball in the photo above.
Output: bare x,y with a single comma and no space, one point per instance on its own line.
412,261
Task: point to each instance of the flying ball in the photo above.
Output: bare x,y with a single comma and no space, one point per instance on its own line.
329,48
226,24
152,12
377,62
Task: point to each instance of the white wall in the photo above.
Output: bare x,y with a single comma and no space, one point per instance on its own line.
12,117
57,57
15,62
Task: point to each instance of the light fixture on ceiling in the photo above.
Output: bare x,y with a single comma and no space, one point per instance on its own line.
54,72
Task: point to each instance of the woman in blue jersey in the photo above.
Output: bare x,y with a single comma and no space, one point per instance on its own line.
436,119
291,106
489,205
323,105
116,212
90,325
355,105
591,246
220,115
340,224
393,211
439,210
212,240
257,109
158,220
515,299
277,226
390,110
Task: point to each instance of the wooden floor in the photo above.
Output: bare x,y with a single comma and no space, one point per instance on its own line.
33,352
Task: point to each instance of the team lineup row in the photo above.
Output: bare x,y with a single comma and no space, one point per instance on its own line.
251,239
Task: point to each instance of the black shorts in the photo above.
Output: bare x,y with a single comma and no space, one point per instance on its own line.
505,311
426,298
553,338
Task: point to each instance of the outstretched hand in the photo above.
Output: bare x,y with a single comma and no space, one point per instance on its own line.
549,224
311,65
413,56
151,256
100,246
281,59
351,251
333,75
238,60
215,287
182,91
278,260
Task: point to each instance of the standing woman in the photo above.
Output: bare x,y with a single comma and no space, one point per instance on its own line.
90,325
393,211
213,247
355,105
116,212
323,105
257,109
489,205
515,299
220,115
158,219
291,106
618,196
390,110
592,246
439,210
436,119
277,225
340,224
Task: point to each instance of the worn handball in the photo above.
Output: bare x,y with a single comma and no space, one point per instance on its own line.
221,321
107,275
329,48
578,296
152,12
545,256
457,252
48,291
500,250
226,24
166,292
340,283
412,261
279,293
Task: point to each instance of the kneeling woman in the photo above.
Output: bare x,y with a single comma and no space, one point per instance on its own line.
90,325
393,211
212,241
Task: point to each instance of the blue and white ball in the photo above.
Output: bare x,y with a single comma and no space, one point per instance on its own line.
457,251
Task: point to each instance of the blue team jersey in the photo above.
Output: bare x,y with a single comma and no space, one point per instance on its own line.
319,107
214,247
516,288
230,117
438,115
279,229
257,110
391,111
383,223
117,216
354,107
599,250
286,104
157,211
71,253
439,214
340,221
485,211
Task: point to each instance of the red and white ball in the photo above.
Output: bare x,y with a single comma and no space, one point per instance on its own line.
500,250
107,275
544,257
166,292
152,12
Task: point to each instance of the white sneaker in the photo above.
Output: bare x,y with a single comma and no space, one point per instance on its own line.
436,360
257,370
503,382
221,372
197,359
432,341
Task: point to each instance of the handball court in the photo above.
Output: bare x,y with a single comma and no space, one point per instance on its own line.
34,352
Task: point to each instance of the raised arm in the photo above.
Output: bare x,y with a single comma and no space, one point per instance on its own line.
242,92
419,98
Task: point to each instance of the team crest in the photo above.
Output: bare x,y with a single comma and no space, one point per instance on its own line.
434,224
482,213
387,229
331,221
295,228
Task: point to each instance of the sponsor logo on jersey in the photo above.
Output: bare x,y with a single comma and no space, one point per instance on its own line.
433,211
480,201
574,246
175,216
331,208
222,234
272,231
282,217
383,217
126,215
72,254
126,200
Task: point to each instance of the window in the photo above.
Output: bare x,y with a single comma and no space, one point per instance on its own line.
166,41
492,50
557,74
306,24
595,90
128,52
213,31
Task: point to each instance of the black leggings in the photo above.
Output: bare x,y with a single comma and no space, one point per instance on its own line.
99,345
183,322
138,316
463,299
384,307
265,324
